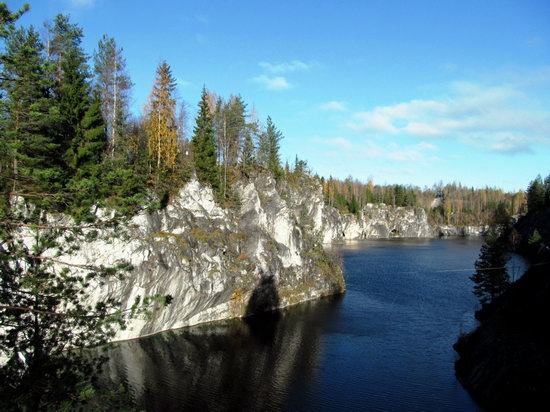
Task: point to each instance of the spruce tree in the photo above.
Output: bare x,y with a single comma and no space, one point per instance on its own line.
28,124
71,75
491,278
535,195
547,191
236,123
248,160
204,147
273,138
88,150
8,18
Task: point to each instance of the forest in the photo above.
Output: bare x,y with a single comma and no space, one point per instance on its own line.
71,141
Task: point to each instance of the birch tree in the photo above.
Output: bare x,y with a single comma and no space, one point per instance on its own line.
113,83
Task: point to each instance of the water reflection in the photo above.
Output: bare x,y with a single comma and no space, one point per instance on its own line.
255,364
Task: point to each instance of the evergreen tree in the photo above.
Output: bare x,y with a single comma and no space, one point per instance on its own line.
262,154
547,191
236,124
26,119
491,278
45,321
273,138
248,161
87,162
161,122
204,148
70,72
113,83
8,18
535,195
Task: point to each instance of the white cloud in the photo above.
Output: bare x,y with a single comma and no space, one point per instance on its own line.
427,146
272,82
81,3
341,142
501,119
388,151
334,106
286,67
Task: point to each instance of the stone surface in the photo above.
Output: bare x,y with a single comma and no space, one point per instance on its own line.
216,263
221,263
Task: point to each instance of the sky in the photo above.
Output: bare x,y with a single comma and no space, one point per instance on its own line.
408,92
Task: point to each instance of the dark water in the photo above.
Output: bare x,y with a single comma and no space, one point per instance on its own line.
384,346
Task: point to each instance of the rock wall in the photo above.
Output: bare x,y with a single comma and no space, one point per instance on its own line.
222,263
216,263
375,221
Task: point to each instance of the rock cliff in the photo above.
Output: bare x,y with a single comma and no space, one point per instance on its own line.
218,263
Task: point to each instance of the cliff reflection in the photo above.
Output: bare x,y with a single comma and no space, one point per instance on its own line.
255,364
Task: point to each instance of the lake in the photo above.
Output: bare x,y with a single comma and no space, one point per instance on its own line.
386,345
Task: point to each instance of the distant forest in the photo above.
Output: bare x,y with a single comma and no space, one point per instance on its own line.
449,204
70,141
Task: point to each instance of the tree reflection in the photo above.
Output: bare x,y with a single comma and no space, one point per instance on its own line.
231,365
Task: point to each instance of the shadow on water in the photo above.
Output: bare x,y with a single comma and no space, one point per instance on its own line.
262,313
260,363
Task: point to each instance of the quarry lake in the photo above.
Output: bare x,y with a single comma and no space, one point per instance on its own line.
385,345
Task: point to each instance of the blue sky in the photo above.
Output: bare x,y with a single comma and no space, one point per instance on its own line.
410,92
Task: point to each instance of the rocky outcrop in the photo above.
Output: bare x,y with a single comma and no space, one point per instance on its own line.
378,221
462,231
375,221
216,263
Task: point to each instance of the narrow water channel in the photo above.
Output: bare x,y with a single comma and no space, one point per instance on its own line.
386,345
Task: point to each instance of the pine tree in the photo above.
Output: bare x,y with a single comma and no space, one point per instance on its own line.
204,148
161,122
491,278
113,83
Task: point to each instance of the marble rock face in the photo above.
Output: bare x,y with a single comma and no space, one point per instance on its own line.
264,253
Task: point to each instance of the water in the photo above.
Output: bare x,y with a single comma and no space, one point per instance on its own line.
384,346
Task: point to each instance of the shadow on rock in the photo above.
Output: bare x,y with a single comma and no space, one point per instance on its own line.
264,298
262,313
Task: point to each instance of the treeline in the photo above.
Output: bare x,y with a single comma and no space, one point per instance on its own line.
451,204
69,141
538,194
